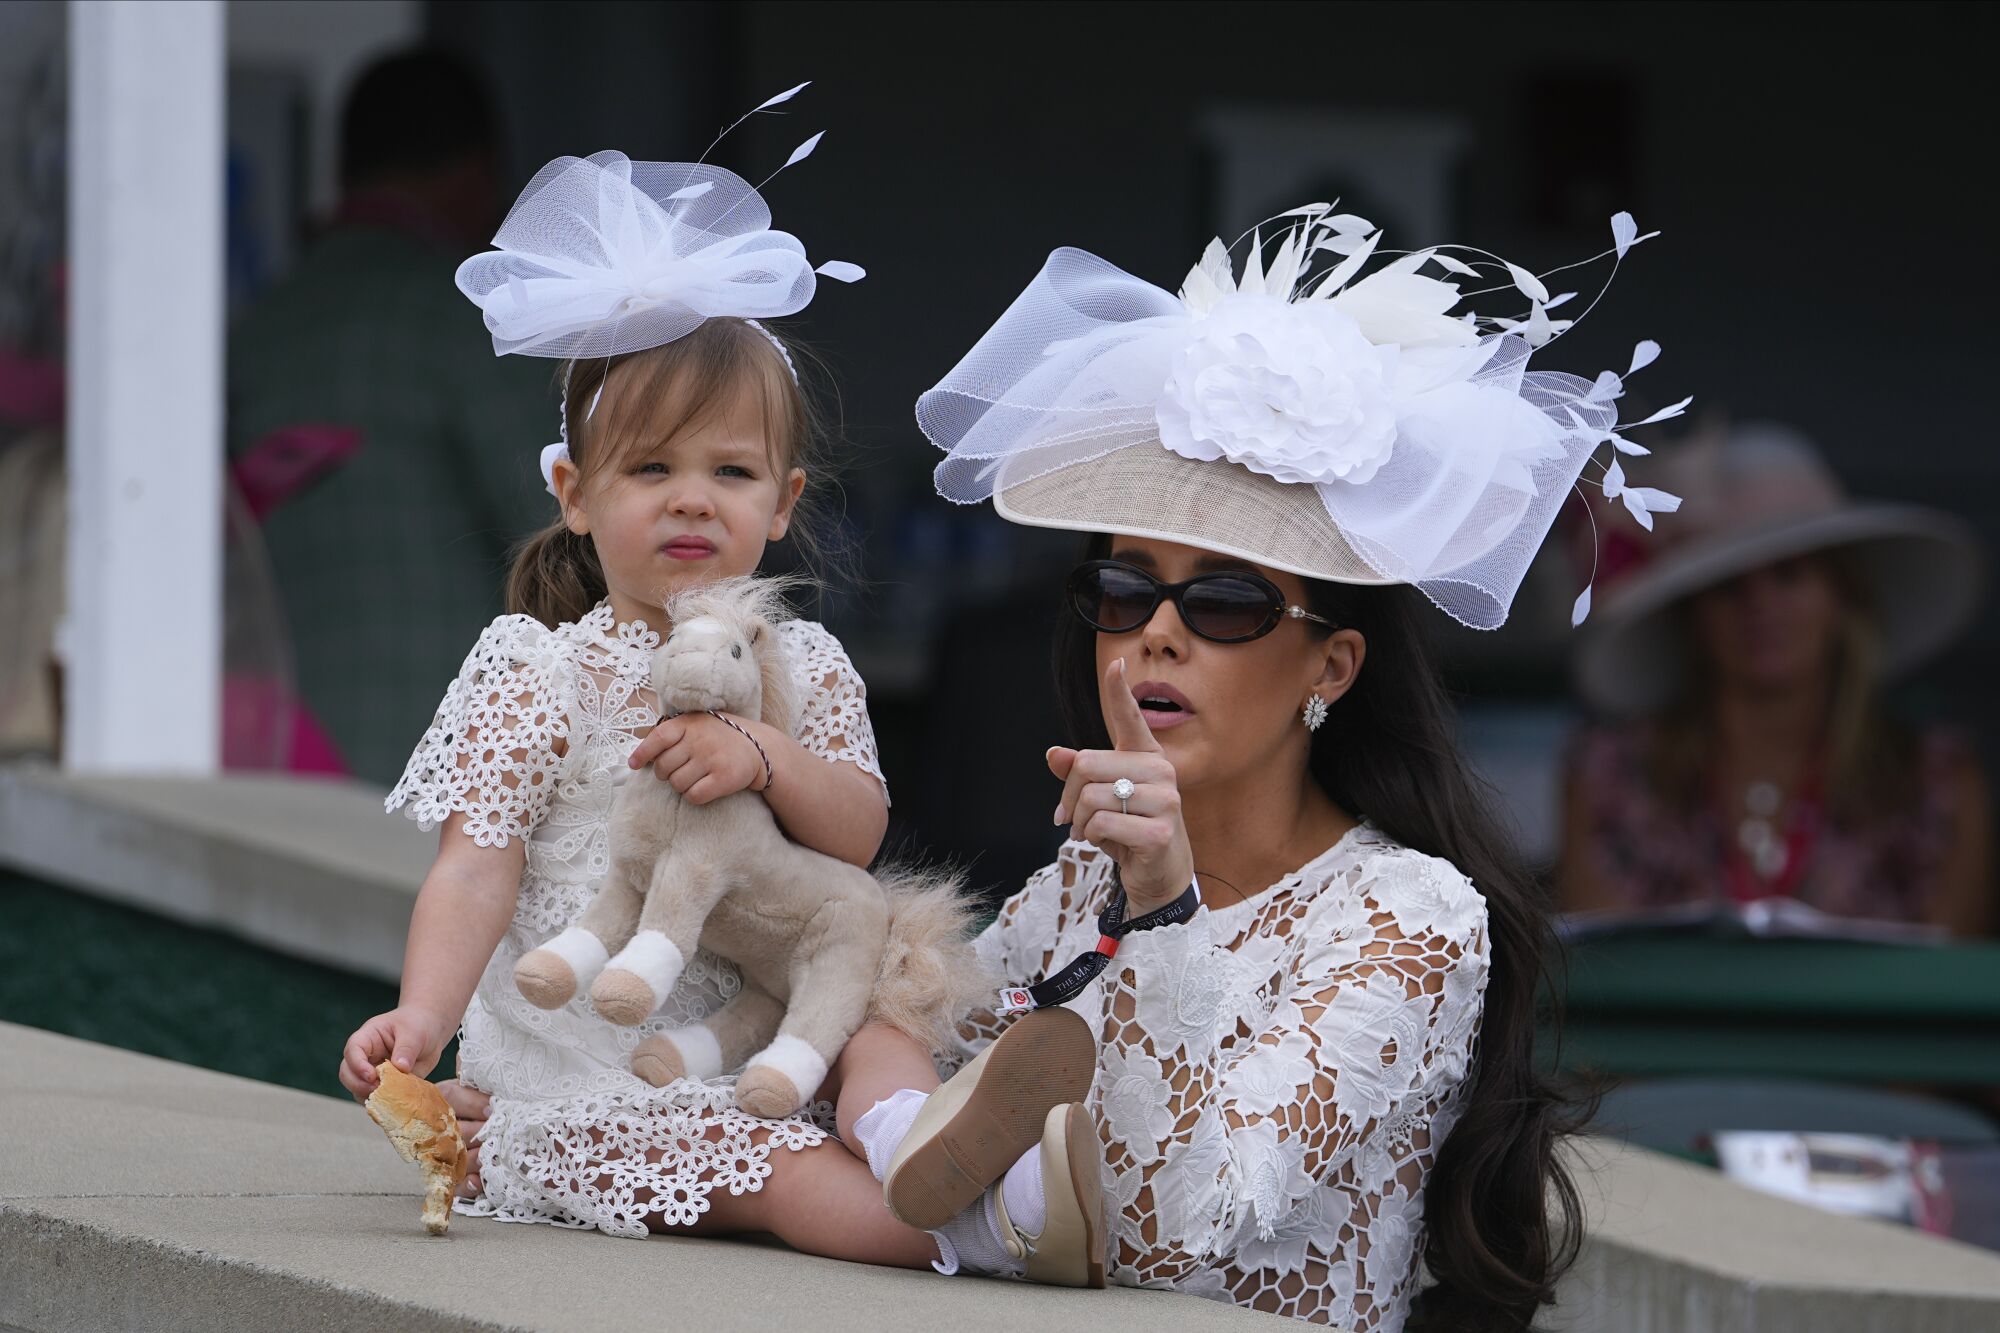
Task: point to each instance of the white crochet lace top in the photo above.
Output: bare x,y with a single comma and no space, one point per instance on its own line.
530,742
1276,1076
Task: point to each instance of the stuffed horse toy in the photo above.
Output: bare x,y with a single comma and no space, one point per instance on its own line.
822,945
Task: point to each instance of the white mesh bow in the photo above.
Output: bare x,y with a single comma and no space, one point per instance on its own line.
603,255
1437,454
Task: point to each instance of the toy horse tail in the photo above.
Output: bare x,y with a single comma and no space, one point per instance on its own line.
931,976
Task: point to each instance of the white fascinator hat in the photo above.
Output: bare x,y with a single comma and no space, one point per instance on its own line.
601,256
1310,413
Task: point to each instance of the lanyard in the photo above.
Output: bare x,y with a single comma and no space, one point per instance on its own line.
1064,986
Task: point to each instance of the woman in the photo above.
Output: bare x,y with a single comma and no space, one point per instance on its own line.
1306,954
1750,755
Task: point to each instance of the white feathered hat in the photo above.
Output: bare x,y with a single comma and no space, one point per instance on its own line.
1341,425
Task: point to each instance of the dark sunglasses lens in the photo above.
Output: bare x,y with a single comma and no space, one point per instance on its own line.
1226,607
1113,599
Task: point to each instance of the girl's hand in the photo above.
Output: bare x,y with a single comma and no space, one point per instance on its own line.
1148,841
411,1038
470,1105
703,757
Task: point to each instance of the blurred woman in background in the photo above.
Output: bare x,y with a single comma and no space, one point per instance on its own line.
1753,757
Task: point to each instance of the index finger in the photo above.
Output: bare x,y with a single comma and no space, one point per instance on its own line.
1122,717
664,737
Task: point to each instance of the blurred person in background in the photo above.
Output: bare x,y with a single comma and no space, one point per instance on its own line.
1751,755
388,561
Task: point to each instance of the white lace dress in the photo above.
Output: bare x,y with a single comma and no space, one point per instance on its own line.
1275,1077
530,742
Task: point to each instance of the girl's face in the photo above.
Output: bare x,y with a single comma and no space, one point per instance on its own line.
682,511
1771,629
1222,711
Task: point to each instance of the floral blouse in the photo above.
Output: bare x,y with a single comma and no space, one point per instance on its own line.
1276,1076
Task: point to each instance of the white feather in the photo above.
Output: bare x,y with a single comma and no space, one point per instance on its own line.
804,150
841,271
1529,285
784,96
1666,413
1338,276
1644,355
1625,233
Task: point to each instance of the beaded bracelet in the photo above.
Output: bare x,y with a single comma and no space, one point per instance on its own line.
769,775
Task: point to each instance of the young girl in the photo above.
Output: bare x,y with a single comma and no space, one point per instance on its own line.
1308,958
685,450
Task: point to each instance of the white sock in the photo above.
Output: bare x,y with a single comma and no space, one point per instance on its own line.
1027,1207
882,1127
970,1242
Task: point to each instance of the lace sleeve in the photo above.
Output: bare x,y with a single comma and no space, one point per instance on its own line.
833,723
1021,943
1209,1151
496,747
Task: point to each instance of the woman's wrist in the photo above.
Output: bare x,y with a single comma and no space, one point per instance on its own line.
1140,903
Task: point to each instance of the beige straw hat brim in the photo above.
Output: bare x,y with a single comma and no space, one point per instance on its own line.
1145,490
1923,569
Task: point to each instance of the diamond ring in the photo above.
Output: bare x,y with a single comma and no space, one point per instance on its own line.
1123,790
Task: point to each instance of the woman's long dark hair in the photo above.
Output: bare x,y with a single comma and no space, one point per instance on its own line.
1502,1216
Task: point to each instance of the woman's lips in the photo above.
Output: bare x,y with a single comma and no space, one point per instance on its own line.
1176,709
689,548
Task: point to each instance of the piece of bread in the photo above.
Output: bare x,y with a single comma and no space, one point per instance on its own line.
413,1113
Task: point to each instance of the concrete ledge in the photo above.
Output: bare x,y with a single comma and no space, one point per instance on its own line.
1673,1247
136,1193
312,868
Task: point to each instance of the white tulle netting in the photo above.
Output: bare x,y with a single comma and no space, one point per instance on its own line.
603,255
1275,1078
1432,448
530,743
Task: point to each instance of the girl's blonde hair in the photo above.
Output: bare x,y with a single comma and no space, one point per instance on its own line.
642,398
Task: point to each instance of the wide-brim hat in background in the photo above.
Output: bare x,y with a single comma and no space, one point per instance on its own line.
1763,494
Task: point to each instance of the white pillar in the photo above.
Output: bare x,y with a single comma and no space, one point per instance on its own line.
143,637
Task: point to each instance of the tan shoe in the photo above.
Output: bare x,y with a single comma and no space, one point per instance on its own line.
988,1116
1069,1249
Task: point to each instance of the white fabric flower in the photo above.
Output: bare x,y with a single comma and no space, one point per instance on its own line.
1373,1035
1185,990
1427,896
1189,1190
1130,1095
1320,1215
1392,1242
1270,1076
1293,391
1270,1173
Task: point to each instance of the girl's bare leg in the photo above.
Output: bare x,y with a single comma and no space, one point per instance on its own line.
877,1061
818,1200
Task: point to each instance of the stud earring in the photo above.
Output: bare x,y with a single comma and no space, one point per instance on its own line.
1315,712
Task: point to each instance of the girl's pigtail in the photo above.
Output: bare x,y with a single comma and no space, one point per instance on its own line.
555,577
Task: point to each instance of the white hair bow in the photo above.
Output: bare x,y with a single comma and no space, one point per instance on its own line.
602,255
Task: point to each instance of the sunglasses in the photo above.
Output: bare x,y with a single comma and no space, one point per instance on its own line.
1113,597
